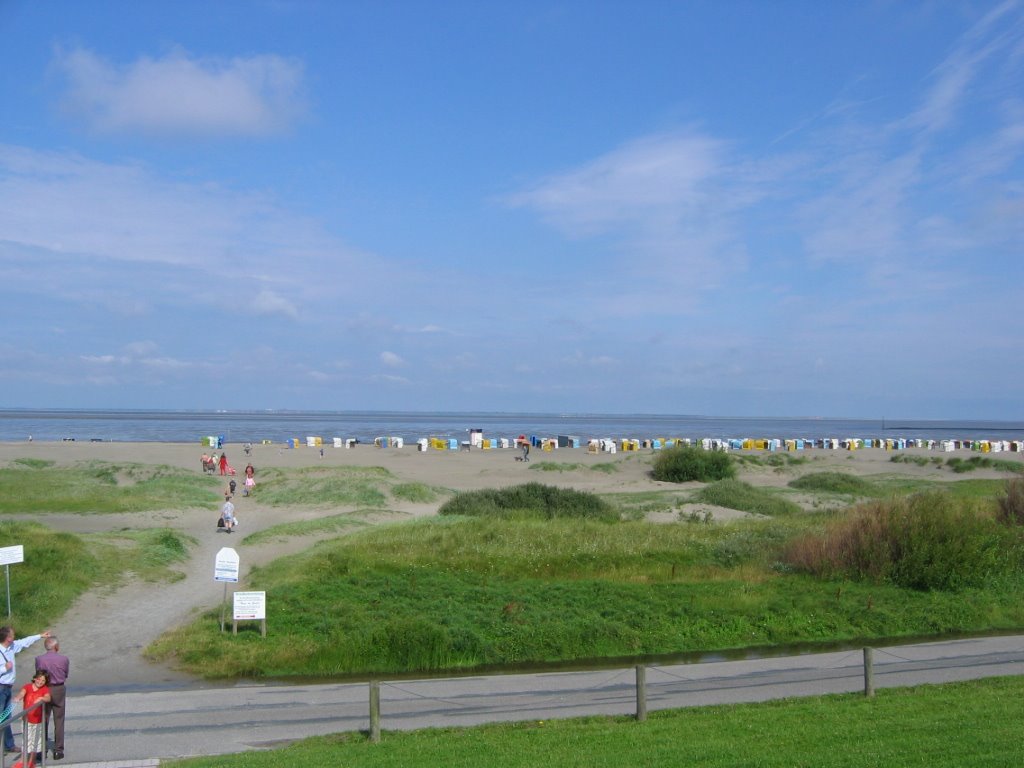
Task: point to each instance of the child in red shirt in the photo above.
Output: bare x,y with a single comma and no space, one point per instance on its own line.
37,690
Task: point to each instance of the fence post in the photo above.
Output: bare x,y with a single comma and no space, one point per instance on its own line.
869,672
641,693
374,711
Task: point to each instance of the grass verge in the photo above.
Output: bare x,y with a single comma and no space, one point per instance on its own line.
976,723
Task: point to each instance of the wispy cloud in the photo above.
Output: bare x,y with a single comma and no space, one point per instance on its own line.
391,360
269,303
666,202
182,95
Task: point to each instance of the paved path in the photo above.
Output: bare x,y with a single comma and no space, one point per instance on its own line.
216,720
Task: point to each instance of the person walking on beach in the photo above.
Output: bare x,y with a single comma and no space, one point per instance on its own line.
9,648
57,666
227,513
223,463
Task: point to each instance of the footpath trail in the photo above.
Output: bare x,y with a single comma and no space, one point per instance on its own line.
135,726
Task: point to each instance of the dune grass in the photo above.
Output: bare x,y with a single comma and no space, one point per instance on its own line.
530,501
331,524
97,487
59,567
736,494
148,554
976,723
365,487
837,483
418,493
633,506
958,465
607,467
776,460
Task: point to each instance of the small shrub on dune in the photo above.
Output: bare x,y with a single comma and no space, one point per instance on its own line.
529,501
927,541
683,464
1011,504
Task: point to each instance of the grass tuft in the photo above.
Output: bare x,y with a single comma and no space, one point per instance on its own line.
835,482
735,494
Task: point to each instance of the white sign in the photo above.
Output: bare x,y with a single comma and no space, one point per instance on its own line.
11,555
250,605
225,567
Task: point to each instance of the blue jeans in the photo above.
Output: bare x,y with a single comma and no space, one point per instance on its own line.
5,701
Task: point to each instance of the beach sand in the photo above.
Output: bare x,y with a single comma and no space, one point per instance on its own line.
105,632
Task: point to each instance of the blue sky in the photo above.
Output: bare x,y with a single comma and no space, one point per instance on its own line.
717,208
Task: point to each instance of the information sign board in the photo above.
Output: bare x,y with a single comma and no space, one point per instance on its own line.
12,555
250,605
225,567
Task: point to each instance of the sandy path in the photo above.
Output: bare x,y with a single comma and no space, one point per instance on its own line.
105,632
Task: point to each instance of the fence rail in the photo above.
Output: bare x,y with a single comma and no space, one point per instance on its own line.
24,756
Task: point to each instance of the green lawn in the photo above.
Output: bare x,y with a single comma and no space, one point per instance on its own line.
977,724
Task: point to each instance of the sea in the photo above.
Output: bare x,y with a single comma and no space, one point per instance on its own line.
241,426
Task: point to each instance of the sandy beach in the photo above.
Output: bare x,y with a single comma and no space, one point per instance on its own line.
105,632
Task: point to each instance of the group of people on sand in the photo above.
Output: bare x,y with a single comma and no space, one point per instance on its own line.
46,687
213,462
228,520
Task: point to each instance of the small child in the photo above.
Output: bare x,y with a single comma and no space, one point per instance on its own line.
37,690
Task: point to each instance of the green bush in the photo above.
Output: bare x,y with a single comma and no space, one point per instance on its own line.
529,501
835,482
735,494
683,464
930,541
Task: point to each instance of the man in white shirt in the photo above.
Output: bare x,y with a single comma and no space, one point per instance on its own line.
9,648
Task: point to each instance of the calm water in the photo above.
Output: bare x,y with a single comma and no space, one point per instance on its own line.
253,426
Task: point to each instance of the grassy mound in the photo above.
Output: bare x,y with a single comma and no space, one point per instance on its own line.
735,494
835,482
529,501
